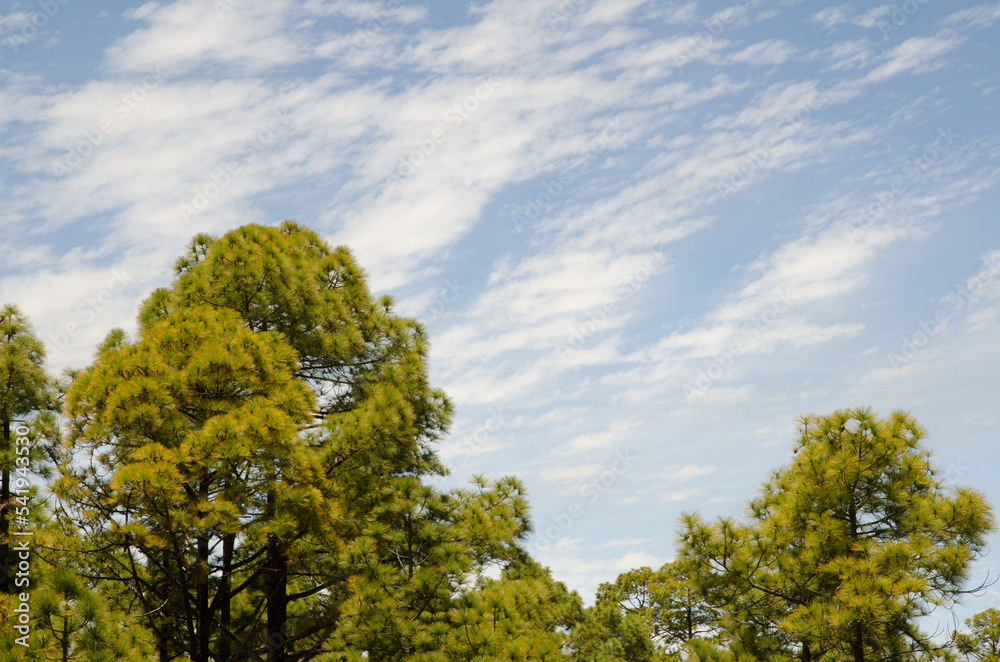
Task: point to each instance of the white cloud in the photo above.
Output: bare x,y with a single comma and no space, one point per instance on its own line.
889,374
574,473
678,495
917,55
767,52
830,17
570,566
982,16
624,542
682,473
618,431
189,33
849,55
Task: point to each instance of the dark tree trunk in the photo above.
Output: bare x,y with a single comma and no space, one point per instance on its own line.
65,639
163,648
276,592
858,641
225,608
858,645
204,616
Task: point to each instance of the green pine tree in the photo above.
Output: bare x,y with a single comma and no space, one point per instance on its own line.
606,634
184,440
848,545
424,594
255,463
25,388
982,642
667,600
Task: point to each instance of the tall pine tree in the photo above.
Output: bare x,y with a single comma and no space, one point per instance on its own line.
848,545
24,388
256,458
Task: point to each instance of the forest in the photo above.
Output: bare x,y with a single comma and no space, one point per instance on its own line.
247,478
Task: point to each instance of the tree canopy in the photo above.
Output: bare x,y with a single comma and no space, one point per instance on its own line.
249,477
847,546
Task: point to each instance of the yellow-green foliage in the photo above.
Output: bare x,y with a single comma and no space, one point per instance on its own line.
847,546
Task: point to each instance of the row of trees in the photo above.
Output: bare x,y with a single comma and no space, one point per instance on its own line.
248,478
843,552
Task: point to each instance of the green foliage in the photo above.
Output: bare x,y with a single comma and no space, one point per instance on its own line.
187,436
667,601
606,634
24,385
982,642
25,388
71,615
846,546
414,600
247,479
254,466
742,646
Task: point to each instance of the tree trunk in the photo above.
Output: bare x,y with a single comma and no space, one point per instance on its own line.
225,608
65,638
276,592
162,648
858,642
204,612
806,652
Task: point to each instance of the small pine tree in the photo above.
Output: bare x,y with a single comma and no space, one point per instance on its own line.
848,545
982,642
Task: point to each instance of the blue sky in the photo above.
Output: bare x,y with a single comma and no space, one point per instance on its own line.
644,236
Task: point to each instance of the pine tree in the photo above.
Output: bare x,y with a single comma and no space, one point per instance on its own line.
424,594
70,614
24,388
606,634
187,441
375,416
256,462
982,642
848,545
667,600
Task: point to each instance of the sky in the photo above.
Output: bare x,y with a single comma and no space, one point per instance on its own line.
644,237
